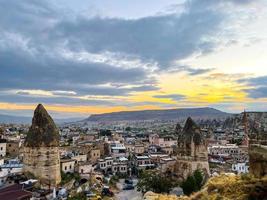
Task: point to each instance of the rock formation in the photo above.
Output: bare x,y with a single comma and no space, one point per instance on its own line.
258,160
41,149
192,151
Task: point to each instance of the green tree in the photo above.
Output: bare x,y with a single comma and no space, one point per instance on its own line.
193,183
150,181
198,178
189,185
128,128
104,132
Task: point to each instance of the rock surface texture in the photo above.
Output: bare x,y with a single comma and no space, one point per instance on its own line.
258,160
192,151
41,149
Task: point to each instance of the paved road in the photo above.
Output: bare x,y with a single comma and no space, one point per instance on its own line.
127,194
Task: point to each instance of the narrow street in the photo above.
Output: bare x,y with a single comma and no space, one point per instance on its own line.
128,194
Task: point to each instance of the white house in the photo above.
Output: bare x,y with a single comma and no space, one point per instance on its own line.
67,165
143,162
117,150
240,168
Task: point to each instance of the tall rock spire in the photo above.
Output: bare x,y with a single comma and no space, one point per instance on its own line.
41,149
43,131
245,140
192,153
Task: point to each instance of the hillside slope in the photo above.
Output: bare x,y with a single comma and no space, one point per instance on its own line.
224,187
170,114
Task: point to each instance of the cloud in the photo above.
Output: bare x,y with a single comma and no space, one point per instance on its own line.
192,71
255,81
42,47
160,39
174,97
256,86
257,93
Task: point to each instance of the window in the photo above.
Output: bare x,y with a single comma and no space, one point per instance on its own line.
65,167
1,148
70,167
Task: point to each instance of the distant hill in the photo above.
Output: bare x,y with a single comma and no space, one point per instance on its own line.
11,119
169,114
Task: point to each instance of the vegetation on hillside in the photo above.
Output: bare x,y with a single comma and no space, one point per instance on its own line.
193,183
151,181
225,187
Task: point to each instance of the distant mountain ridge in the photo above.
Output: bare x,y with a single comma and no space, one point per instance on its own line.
6,119
12,119
168,114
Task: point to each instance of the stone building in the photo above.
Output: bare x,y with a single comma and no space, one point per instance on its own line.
41,149
192,151
13,148
2,148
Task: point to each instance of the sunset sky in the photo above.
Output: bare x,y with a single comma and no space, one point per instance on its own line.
79,57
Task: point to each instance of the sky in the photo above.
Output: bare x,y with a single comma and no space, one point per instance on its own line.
82,57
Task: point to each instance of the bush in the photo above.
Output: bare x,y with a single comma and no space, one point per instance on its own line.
67,177
79,196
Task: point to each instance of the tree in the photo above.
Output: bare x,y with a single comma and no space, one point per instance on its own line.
128,129
104,132
150,181
189,185
193,183
198,178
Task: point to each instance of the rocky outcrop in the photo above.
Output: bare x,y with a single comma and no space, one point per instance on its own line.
41,152
192,151
43,131
258,160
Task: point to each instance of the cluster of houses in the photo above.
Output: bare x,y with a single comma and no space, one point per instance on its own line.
119,152
91,151
87,154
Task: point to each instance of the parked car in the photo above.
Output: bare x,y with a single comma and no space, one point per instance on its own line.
128,181
107,192
88,193
128,187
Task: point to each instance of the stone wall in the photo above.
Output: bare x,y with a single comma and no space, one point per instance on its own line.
44,164
184,168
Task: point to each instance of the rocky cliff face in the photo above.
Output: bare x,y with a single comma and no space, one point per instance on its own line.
191,151
258,160
41,152
43,131
190,140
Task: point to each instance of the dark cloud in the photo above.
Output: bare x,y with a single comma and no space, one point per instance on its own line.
53,100
161,39
19,70
35,37
256,81
257,86
257,93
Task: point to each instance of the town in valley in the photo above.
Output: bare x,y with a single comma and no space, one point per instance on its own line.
107,159
133,100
